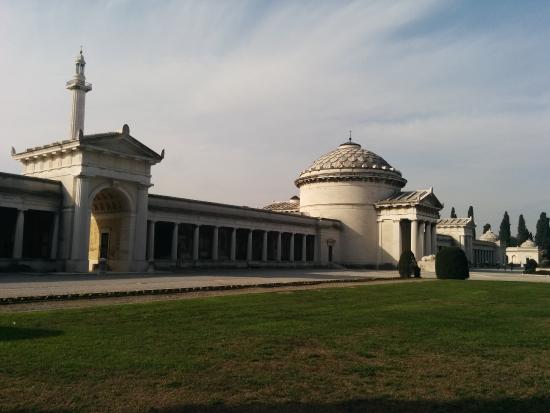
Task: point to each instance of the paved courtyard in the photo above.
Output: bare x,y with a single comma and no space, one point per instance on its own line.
24,285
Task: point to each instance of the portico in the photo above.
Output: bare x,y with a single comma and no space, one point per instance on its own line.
407,221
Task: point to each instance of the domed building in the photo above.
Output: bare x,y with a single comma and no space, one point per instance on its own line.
363,191
527,250
489,236
82,203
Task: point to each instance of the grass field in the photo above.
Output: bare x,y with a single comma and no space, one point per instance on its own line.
442,346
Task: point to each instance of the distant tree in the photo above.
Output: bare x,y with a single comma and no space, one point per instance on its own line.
530,237
542,236
513,242
471,215
504,233
486,228
453,213
523,232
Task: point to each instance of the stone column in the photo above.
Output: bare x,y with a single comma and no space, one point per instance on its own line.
249,246
140,229
233,250
151,241
428,232
316,248
434,238
291,254
279,246
196,238
414,237
174,255
380,245
397,240
264,247
81,226
55,236
215,246
421,241
18,239
304,247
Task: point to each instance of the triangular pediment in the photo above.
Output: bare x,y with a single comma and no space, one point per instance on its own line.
431,200
120,144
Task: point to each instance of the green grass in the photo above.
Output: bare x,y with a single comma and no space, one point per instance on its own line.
442,346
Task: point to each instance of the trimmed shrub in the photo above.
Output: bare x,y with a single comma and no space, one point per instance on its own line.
451,263
407,264
530,266
545,263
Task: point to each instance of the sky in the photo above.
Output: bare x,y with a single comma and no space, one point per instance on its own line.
243,95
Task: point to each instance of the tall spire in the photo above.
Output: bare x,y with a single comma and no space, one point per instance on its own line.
79,88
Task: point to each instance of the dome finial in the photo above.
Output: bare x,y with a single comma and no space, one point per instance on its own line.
350,135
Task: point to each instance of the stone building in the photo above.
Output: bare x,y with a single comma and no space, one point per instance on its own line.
86,198
520,255
460,232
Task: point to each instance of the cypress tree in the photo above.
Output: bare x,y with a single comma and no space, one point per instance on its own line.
523,232
504,233
453,213
471,215
542,237
486,227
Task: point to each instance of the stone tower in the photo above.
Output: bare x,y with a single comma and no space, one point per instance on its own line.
79,87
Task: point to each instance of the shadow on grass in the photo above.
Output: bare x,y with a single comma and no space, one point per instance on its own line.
19,333
530,405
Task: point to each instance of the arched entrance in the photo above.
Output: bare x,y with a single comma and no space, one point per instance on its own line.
110,224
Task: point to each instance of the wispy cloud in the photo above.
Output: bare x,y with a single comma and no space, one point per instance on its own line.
245,94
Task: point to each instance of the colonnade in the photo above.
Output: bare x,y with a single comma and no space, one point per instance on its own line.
420,236
484,257
19,235
423,238
306,251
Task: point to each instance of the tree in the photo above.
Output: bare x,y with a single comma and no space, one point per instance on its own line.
453,213
486,228
542,236
504,233
451,262
407,264
523,232
471,215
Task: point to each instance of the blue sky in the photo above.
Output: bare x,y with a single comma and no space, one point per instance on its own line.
243,95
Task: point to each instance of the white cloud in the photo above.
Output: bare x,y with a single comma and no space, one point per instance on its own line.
243,95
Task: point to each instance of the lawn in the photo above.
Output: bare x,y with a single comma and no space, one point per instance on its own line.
441,346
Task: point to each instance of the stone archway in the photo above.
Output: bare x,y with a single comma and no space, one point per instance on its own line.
110,230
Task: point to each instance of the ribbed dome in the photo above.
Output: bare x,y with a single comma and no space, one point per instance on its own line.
350,161
528,244
489,236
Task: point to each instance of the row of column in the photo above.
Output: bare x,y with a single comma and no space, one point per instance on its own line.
423,238
233,243
484,257
20,231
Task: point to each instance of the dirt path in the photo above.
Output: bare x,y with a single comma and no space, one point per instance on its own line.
106,301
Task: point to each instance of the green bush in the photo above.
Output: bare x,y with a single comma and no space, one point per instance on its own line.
530,266
545,263
407,264
451,263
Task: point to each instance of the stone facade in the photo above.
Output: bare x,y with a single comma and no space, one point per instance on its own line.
519,255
